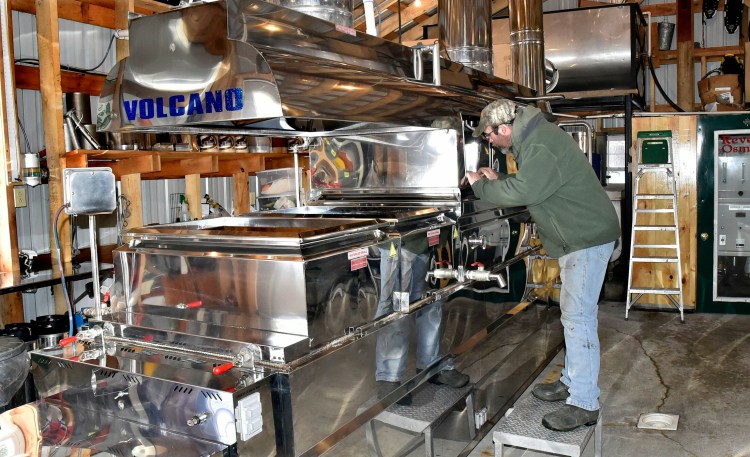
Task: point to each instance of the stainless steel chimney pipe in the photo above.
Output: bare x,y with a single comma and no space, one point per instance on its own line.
336,11
466,32
527,43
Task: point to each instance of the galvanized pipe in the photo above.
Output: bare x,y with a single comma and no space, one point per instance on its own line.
527,43
466,32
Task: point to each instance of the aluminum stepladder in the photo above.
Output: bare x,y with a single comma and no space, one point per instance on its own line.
655,157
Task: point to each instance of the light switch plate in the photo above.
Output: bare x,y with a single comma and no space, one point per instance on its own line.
19,197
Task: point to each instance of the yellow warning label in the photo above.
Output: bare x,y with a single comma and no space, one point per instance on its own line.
393,251
455,233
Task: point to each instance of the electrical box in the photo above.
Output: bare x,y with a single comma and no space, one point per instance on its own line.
89,191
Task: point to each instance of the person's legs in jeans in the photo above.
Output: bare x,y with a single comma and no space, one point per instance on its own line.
392,344
582,274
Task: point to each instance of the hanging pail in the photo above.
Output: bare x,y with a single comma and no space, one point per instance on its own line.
666,32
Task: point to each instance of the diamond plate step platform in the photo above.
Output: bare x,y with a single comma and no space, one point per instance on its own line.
523,428
431,404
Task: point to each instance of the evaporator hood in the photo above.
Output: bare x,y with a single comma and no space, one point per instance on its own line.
254,67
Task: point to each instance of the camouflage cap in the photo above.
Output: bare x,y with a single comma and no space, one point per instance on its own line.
496,113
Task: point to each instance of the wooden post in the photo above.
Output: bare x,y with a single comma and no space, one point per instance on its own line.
48,42
685,65
193,195
11,305
130,186
240,193
122,8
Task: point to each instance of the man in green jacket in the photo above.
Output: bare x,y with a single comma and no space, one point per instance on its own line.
578,225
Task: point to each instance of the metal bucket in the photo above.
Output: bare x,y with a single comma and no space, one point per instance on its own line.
666,32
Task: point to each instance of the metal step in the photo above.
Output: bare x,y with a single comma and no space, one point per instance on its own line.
653,290
655,246
655,259
654,196
658,210
657,228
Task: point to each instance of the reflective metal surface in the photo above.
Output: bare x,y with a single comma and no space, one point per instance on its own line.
55,428
259,66
527,43
336,11
602,55
466,32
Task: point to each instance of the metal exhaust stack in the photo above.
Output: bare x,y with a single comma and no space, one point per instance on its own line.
336,11
527,43
466,32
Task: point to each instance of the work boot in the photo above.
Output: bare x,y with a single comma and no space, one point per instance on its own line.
452,378
386,387
569,418
555,391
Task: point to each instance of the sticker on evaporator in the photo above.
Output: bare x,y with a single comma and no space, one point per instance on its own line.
357,253
433,237
358,263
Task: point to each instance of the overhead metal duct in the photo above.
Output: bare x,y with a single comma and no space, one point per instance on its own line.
466,32
527,43
336,11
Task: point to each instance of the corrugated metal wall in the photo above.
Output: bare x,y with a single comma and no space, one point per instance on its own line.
84,46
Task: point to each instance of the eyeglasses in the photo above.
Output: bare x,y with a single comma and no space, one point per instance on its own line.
486,136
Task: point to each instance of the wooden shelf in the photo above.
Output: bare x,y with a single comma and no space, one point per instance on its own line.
170,165
95,12
710,54
27,77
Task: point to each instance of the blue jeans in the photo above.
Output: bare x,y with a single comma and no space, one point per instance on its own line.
406,271
582,274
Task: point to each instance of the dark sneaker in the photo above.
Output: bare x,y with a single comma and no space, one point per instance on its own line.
555,391
452,378
569,418
386,387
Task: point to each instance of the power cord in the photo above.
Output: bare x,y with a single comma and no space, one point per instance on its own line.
69,68
62,271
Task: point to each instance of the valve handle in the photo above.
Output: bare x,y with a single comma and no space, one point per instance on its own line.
67,341
443,262
477,264
195,304
223,368
74,358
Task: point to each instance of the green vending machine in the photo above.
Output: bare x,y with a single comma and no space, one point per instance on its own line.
723,270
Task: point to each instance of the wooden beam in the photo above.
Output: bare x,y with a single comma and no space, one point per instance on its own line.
359,22
122,9
136,165
48,44
130,186
27,77
240,193
174,169
685,62
11,305
96,12
193,195
8,235
389,27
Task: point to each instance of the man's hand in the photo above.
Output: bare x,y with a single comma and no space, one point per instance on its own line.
488,172
473,176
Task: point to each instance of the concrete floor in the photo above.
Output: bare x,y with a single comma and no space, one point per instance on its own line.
699,370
